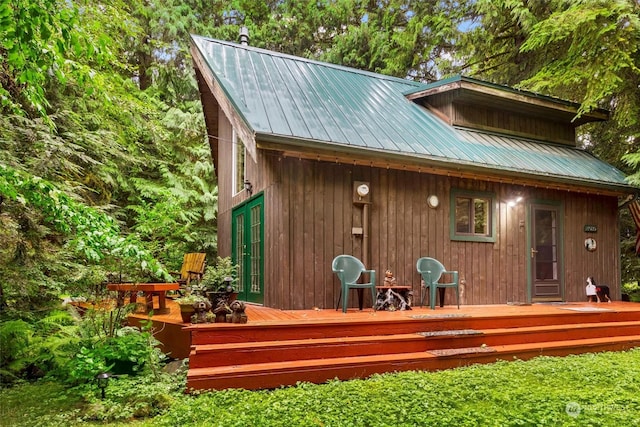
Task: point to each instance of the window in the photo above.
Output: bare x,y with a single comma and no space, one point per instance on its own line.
238,153
472,216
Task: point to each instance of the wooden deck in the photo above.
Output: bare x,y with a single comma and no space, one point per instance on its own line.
282,347
260,314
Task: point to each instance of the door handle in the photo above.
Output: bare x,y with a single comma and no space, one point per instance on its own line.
533,253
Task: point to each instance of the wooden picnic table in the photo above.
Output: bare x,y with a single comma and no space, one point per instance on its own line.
148,289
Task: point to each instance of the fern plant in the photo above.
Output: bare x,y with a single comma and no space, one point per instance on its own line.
42,348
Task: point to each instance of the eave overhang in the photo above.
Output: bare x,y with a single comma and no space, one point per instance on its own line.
338,153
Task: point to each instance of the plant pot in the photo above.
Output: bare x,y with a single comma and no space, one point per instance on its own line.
186,311
217,297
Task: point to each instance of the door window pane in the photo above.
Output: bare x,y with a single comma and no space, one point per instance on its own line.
256,245
240,248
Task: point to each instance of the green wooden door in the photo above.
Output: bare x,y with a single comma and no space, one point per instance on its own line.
247,246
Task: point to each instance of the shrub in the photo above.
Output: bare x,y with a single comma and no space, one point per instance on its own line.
31,350
633,290
134,397
214,275
74,348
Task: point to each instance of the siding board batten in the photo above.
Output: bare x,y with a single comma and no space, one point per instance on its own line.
318,237
501,282
382,202
309,245
412,193
282,271
339,225
392,249
298,233
329,243
419,212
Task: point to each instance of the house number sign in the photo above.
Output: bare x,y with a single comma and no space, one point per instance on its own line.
590,228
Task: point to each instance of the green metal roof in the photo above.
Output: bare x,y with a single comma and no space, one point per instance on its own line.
293,99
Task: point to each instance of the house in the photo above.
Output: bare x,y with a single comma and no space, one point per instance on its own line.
315,160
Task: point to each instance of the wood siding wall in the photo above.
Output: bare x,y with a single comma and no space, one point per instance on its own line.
490,118
309,216
314,224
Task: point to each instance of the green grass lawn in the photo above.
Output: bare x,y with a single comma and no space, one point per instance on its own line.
589,390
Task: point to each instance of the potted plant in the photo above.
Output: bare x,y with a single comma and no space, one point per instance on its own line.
186,305
219,281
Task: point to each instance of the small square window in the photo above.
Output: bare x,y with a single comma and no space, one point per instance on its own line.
473,216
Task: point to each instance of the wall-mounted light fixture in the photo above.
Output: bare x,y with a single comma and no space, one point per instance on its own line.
433,201
248,187
515,199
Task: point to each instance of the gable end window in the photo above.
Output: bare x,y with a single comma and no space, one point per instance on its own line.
473,216
238,154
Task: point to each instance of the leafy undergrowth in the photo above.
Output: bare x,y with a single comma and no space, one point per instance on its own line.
26,404
592,389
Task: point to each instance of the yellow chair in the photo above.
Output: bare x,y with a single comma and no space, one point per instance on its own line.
192,268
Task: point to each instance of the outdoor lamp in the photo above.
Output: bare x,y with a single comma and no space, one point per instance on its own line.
248,187
516,198
103,380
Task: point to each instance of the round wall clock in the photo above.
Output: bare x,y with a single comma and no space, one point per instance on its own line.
433,201
590,244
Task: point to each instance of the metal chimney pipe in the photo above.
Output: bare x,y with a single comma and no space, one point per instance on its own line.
244,36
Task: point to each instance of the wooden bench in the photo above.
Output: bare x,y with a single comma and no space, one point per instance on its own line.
149,290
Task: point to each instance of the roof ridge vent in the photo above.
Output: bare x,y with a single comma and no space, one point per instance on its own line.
244,36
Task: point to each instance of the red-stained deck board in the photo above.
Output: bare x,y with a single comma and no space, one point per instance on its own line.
270,375
290,350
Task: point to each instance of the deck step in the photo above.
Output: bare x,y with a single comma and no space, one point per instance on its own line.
335,328
272,354
214,355
275,374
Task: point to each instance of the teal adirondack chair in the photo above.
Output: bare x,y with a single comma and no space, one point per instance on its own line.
349,269
431,270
